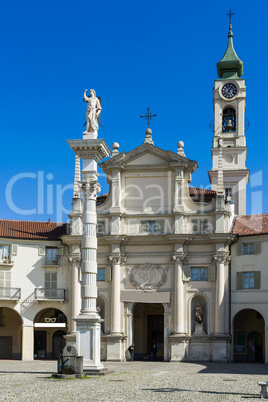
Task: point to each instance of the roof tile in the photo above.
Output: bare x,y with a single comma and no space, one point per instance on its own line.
32,230
246,225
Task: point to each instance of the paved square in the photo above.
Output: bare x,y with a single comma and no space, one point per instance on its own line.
135,381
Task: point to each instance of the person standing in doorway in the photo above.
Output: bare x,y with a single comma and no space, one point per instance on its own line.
131,351
154,351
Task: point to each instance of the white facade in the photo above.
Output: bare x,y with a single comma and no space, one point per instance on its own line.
249,291
32,286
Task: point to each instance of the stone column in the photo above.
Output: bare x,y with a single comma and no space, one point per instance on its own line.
221,260
88,323
75,290
115,294
179,298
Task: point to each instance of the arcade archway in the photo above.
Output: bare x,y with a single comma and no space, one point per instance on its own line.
148,330
50,325
10,334
248,343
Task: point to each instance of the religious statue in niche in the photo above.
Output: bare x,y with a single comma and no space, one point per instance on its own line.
199,324
198,313
94,108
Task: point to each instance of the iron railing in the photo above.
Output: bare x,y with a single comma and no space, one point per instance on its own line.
10,293
48,294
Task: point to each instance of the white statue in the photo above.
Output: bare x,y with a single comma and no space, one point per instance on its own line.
94,107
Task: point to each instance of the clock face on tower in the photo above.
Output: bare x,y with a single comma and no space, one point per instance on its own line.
229,90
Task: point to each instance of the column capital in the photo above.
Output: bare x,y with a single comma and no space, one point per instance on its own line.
222,258
75,259
91,189
179,258
117,259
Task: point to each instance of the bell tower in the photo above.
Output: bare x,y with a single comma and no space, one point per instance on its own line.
229,102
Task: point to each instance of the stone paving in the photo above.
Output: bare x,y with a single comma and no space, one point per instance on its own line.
134,381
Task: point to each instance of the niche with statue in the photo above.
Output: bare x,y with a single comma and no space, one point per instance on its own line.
199,315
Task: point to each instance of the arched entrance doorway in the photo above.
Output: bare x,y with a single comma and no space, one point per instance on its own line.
148,330
49,327
248,336
10,334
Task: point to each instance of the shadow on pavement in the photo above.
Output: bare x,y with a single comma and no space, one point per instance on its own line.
243,396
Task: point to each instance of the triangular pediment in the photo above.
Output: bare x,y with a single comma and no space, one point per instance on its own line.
145,154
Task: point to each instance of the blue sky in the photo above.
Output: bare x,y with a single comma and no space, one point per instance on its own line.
136,55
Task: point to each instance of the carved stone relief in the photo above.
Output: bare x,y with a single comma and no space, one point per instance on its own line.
148,277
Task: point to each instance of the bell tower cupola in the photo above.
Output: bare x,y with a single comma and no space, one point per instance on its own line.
229,101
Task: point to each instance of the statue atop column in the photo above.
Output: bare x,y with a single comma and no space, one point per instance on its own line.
94,108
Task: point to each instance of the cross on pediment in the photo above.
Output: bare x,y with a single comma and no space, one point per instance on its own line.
148,116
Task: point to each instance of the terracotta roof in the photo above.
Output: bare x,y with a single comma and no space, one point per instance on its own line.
201,194
246,225
32,230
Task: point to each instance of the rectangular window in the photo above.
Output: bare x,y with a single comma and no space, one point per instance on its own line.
4,252
51,285
200,226
5,279
5,284
101,274
51,280
249,280
152,226
51,256
228,193
248,248
199,274
101,227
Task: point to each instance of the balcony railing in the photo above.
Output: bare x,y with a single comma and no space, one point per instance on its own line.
10,293
48,294
50,261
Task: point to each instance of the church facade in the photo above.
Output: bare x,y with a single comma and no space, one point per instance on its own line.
164,270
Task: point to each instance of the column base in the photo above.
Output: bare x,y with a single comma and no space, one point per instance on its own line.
115,347
178,347
88,335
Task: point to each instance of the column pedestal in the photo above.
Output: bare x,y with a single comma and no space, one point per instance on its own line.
88,335
115,348
178,348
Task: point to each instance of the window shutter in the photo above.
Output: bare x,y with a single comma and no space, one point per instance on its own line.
186,273
108,274
257,282
50,280
14,249
240,280
47,280
257,247
144,227
160,226
194,226
41,250
212,273
239,249
2,278
8,280
60,250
